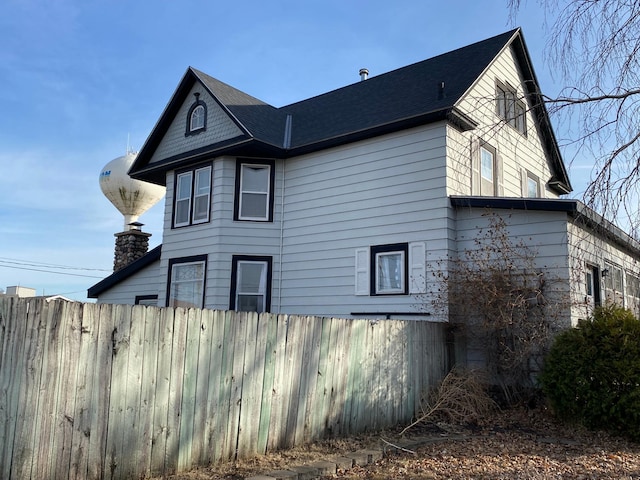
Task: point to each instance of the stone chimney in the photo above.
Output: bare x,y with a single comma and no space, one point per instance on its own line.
130,246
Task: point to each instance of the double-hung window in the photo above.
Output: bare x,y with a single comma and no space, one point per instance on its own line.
511,109
187,281
488,181
250,284
254,191
192,197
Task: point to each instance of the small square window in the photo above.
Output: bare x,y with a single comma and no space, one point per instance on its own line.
389,275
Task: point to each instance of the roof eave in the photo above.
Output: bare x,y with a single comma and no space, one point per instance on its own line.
117,277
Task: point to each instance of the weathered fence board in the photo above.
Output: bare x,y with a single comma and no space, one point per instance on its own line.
116,391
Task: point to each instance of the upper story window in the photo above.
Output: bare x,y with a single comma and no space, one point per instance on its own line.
510,108
192,199
486,166
488,170
254,191
197,117
530,185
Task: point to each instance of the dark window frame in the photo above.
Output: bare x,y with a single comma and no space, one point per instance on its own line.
510,108
140,298
198,103
235,260
193,171
271,191
189,259
373,268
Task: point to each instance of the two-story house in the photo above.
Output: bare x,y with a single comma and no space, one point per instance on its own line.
339,205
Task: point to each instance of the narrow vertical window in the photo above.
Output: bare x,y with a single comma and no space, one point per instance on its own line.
183,199
251,284
254,191
202,194
487,170
196,117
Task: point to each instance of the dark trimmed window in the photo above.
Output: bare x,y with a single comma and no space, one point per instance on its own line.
250,283
149,300
254,190
510,108
192,196
197,117
390,269
186,283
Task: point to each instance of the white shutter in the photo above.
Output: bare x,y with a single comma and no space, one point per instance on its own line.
417,267
362,271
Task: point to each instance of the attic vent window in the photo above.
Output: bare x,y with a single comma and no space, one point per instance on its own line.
511,108
197,117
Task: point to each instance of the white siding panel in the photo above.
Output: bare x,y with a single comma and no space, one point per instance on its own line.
390,189
144,282
517,151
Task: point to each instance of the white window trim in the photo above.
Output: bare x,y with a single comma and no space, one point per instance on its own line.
185,198
262,287
266,193
380,290
194,116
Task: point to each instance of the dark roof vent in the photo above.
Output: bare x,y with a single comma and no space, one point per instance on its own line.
364,74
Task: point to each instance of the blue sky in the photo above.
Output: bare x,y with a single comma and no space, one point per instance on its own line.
80,80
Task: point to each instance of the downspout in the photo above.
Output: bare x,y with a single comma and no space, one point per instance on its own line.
286,143
284,169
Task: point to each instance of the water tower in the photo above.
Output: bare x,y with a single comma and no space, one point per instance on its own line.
132,198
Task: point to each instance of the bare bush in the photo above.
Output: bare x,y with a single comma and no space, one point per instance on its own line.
460,399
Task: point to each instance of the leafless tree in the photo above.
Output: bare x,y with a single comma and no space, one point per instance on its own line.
594,46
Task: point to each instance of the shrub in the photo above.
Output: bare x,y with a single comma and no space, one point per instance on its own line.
592,373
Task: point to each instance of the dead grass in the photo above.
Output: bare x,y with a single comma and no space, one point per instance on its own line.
516,443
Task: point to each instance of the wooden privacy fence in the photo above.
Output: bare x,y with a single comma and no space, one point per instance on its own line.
118,391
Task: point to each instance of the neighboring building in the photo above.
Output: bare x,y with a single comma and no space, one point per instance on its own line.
19,291
341,204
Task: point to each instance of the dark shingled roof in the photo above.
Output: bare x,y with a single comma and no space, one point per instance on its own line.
403,98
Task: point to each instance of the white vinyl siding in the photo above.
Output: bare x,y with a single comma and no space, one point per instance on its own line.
147,281
515,151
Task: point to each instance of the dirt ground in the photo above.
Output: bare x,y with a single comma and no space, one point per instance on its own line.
513,444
